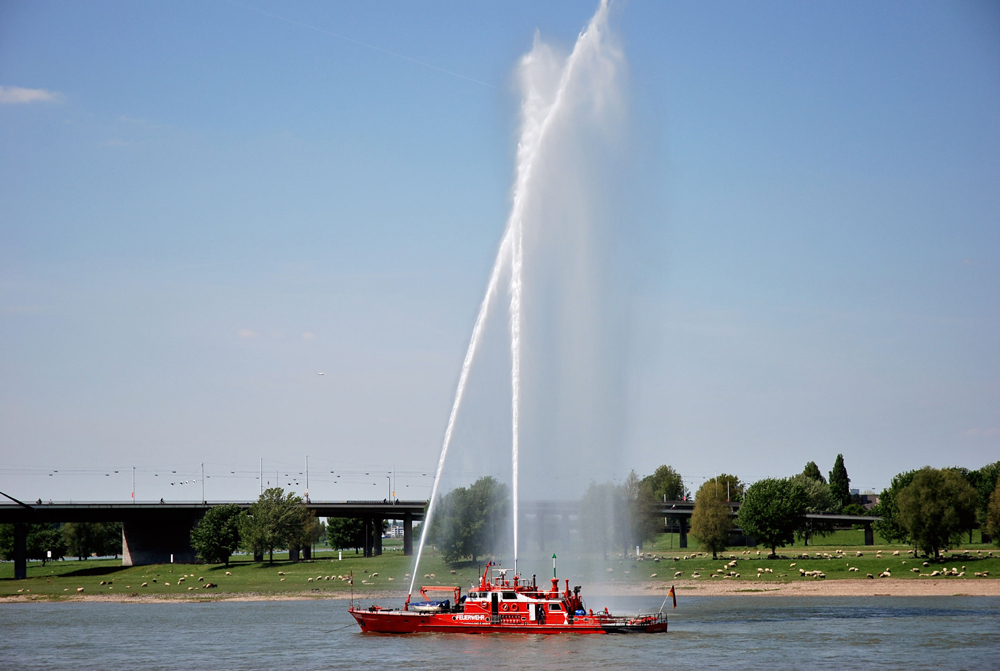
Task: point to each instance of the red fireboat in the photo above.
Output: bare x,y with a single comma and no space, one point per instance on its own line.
503,604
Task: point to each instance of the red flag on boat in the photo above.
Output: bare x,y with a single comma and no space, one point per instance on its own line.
673,596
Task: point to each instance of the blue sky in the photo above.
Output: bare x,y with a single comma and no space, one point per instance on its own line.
206,203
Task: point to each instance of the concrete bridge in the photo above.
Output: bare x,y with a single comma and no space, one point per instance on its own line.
154,533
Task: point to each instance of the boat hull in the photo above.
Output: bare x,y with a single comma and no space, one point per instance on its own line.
408,622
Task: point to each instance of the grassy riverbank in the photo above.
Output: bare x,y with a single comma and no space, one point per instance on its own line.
323,575
326,576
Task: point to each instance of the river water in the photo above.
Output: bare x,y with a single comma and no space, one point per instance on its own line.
705,632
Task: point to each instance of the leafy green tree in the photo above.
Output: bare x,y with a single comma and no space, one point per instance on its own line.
936,507
109,539
772,512
86,538
812,471
311,531
819,500
39,541
217,534
643,522
712,520
469,521
840,484
666,484
732,485
993,516
271,522
985,481
887,508
345,532
854,509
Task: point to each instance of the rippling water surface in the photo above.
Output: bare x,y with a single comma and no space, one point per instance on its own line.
706,632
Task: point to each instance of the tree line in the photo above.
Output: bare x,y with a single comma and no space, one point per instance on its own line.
275,521
72,539
930,509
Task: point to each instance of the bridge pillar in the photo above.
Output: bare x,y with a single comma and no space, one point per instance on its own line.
683,531
368,537
869,535
377,537
408,534
20,551
155,542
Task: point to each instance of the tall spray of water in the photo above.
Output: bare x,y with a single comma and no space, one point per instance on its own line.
463,378
554,91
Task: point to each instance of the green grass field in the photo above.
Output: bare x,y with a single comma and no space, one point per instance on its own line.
389,571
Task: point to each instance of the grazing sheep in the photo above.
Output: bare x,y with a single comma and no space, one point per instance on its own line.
860,554
678,574
79,589
281,573
915,570
282,580
167,584
695,575
190,588
390,578
376,573
895,553
927,563
309,580
229,572
791,565
853,568
870,576
934,574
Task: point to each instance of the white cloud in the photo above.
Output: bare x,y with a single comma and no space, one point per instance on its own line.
308,335
15,95
246,333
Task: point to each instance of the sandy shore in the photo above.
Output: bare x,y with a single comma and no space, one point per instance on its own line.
835,588
817,588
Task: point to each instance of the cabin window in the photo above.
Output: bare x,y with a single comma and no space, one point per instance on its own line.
555,606
473,595
512,596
